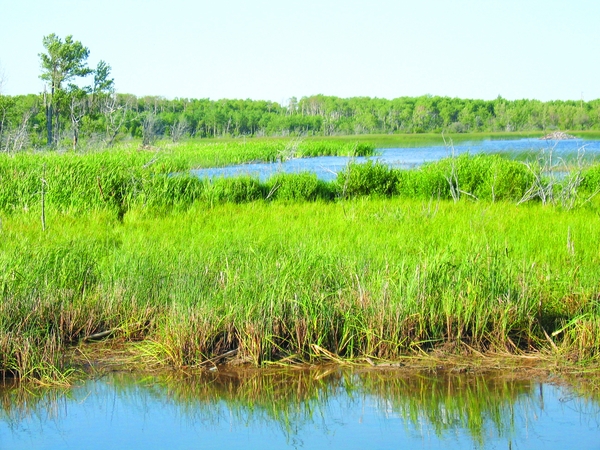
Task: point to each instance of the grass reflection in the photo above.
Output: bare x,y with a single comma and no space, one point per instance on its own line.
483,406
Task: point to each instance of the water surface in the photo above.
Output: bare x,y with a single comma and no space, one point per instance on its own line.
319,409
327,167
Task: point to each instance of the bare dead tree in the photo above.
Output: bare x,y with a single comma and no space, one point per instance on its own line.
3,104
78,108
571,183
543,170
452,177
291,150
2,79
2,120
18,139
554,180
3,112
149,130
179,129
115,115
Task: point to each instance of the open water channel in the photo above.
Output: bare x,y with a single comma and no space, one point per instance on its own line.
309,409
327,167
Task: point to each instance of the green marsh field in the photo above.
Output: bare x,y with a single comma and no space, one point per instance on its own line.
476,255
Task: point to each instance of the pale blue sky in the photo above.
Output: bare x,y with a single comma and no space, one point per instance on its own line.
276,49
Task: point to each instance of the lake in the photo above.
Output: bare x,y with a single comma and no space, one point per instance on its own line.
327,167
322,408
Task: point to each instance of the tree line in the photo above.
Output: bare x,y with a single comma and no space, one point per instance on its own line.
69,111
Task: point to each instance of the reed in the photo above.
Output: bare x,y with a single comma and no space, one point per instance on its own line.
300,282
130,179
476,252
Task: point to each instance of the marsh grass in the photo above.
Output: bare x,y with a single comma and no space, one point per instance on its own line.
427,139
157,179
375,265
300,282
218,154
72,185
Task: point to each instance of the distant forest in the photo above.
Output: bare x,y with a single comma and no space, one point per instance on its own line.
109,117
71,113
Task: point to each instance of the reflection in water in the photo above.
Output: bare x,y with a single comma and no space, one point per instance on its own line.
301,409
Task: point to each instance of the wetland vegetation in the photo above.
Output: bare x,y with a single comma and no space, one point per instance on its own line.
445,295
476,254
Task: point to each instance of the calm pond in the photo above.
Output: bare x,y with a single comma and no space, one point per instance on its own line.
326,408
327,167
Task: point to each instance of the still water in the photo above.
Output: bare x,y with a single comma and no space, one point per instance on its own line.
327,167
316,409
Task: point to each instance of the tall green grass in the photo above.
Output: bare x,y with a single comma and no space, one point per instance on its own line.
379,263
301,281
126,179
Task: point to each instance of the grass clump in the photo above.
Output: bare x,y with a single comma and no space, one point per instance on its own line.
485,177
370,178
242,189
303,186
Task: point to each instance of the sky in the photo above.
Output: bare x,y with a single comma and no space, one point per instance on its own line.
278,49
